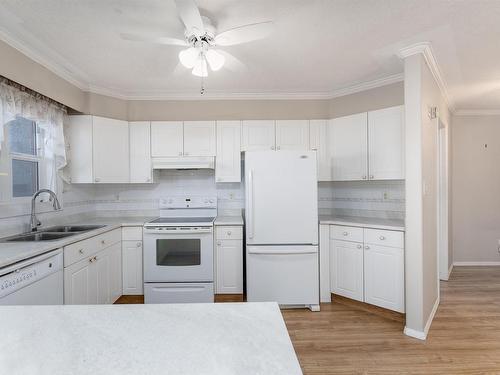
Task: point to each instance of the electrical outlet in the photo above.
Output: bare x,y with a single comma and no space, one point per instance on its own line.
386,195
231,195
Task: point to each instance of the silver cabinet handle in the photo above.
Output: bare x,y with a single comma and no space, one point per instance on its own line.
218,243
91,260
139,244
148,179
95,258
382,238
80,251
359,246
367,247
371,177
97,179
272,147
345,233
103,242
279,147
364,177
229,233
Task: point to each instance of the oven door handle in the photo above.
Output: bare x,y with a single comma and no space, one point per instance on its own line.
177,231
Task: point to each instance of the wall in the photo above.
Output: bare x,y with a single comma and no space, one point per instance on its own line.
476,187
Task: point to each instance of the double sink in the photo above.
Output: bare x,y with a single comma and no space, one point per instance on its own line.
52,233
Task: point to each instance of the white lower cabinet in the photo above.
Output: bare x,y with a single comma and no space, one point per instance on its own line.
369,267
229,260
93,270
132,268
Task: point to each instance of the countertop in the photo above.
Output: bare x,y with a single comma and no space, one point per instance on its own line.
231,338
12,252
229,220
365,222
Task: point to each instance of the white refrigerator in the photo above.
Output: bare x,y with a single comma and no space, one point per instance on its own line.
281,214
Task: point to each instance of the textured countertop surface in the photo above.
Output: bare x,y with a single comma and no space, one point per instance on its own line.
12,252
229,220
232,338
365,222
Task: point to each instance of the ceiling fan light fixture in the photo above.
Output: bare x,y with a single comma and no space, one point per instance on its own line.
215,59
200,67
189,56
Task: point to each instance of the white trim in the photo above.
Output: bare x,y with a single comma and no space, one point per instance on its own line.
478,264
450,269
425,49
477,112
419,334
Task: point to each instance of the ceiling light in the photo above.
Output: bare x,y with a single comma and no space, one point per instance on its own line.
188,57
200,67
215,59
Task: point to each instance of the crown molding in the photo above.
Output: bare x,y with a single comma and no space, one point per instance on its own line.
477,112
425,48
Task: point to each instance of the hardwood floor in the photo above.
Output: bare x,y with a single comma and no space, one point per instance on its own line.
464,337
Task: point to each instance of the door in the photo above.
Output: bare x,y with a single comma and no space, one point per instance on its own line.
80,149
346,269
102,273
199,138
110,150
281,197
80,287
132,267
229,259
348,140
384,276
288,275
318,138
115,271
257,135
140,152
228,159
183,255
166,138
292,135
386,144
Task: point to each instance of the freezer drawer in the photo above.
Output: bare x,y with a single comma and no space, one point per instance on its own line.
178,292
288,275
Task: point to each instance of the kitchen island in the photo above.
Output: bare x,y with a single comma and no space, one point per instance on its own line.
233,338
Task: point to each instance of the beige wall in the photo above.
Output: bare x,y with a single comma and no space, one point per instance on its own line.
476,188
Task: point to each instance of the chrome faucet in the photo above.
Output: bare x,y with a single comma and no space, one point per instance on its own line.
34,222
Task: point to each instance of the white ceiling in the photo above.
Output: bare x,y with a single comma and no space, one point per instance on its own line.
319,46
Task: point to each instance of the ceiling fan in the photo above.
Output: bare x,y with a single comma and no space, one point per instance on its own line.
203,39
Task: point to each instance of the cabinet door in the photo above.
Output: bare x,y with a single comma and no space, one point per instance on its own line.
166,138
115,271
386,144
348,139
229,267
140,152
257,135
132,267
110,150
319,141
384,277
228,159
199,138
102,267
292,135
346,269
80,283
79,137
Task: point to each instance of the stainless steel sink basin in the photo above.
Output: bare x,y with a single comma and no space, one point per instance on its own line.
71,228
36,237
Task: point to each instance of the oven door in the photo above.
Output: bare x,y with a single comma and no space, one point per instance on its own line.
178,254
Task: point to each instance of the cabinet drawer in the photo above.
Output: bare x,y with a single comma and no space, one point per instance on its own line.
79,250
344,233
132,233
384,238
229,233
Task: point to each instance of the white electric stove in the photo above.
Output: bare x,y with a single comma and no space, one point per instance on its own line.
178,251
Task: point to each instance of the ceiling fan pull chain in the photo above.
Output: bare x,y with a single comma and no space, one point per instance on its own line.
202,90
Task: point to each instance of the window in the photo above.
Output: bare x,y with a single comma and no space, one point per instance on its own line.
23,139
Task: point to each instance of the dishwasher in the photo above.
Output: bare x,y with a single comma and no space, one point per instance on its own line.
34,281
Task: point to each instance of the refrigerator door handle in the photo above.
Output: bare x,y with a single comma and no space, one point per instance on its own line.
250,204
282,252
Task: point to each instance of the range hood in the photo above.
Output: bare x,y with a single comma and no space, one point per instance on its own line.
184,162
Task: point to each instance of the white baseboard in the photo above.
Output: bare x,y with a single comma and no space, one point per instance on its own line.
422,335
449,271
485,264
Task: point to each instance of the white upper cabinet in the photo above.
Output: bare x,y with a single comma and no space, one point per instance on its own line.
167,138
318,138
292,135
140,152
110,150
386,144
79,137
257,135
228,160
348,139
199,138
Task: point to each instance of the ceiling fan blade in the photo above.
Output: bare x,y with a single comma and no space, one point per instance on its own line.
190,16
154,39
232,63
244,34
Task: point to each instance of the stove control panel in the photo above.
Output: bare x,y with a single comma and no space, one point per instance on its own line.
176,202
